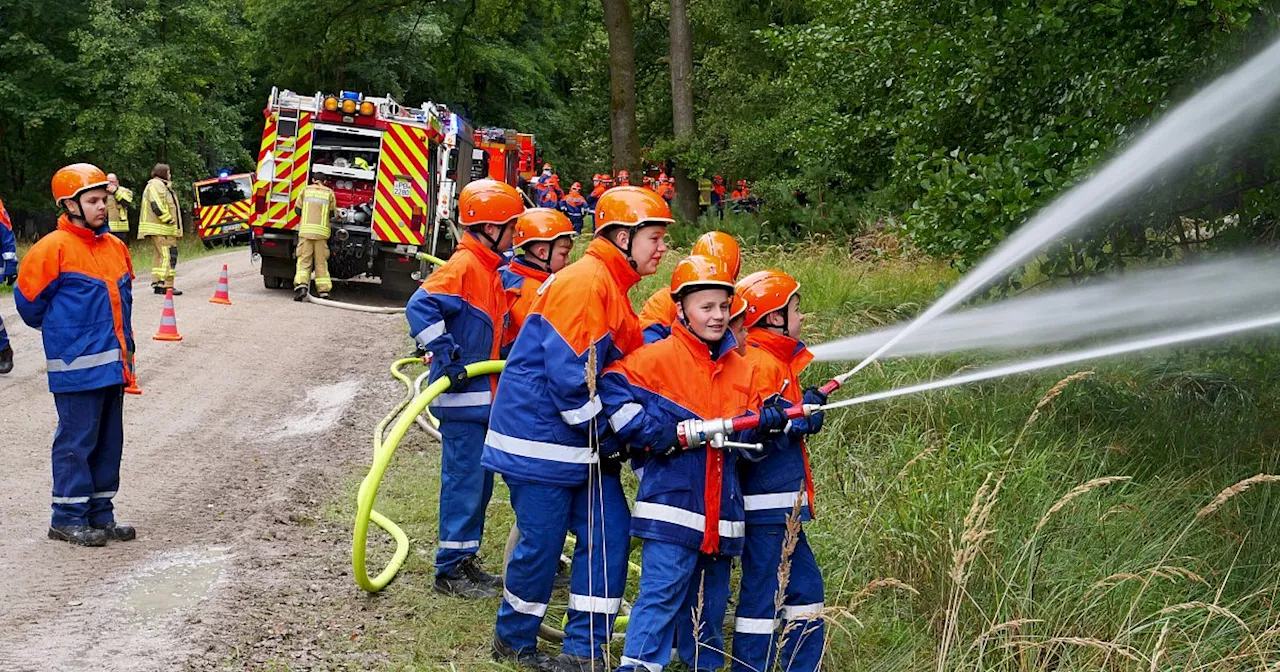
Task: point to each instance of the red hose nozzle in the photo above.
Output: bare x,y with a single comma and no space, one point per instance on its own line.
829,387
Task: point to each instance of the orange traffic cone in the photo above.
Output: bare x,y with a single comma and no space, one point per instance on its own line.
221,294
168,321
132,374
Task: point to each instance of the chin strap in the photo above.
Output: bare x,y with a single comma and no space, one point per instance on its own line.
631,239
478,230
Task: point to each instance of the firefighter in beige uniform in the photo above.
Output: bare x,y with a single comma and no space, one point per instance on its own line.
317,206
118,198
160,219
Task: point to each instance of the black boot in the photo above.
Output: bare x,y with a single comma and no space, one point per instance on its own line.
569,663
528,658
466,579
6,360
176,292
300,293
116,532
79,535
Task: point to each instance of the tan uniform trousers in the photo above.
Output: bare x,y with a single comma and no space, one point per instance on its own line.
313,252
165,260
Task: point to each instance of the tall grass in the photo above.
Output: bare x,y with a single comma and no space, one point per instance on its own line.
1119,518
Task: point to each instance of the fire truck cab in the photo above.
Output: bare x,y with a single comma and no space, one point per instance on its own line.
393,169
221,207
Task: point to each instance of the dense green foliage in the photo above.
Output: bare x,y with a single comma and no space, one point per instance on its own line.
954,120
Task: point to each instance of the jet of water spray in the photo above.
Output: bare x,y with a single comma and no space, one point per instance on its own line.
1147,343
1146,301
1238,95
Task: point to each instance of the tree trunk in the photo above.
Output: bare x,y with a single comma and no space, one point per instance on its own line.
622,86
682,104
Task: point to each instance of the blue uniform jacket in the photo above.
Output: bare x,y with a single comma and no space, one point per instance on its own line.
651,390
76,288
542,422
773,479
461,308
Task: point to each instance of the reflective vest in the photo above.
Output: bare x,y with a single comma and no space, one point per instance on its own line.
117,215
522,282
316,207
159,214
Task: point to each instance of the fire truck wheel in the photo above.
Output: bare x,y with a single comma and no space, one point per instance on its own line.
273,282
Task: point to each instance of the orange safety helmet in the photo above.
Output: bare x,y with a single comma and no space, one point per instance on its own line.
71,181
737,307
633,207
662,177
697,272
546,166
607,179
577,186
624,177
742,183
766,292
488,202
722,246
541,225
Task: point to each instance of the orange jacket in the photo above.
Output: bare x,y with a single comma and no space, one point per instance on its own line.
770,483
76,287
691,498
521,282
541,428
460,311
657,315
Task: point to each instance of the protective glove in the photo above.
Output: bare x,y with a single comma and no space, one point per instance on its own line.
10,272
667,442
612,452
814,396
773,418
454,369
815,422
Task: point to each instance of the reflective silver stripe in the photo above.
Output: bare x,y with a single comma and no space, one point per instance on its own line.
70,500
799,612
85,362
595,605
677,516
538,609
634,662
773,500
459,545
639,473
431,333
9,256
623,415
459,399
315,199
753,626
105,494
540,450
583,413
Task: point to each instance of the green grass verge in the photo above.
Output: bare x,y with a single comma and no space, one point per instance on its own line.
924,555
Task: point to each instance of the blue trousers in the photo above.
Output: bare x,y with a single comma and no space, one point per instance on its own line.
598,515
86,455
4,335
757,632
669,583
465,489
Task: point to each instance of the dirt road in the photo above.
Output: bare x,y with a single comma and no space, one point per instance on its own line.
244,427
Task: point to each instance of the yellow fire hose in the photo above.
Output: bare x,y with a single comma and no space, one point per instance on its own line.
404,415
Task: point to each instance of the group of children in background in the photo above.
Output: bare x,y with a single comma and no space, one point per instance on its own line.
590,389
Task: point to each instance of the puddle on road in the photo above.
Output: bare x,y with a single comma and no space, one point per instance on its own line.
323,408
176,580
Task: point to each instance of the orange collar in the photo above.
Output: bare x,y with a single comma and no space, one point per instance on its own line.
615,262
522,268
492,260
698,347
785,348
64,224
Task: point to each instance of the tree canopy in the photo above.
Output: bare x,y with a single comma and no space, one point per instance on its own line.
957,119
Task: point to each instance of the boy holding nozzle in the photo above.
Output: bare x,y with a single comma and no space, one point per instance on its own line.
774,483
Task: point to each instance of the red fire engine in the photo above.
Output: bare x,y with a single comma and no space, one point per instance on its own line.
394,170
